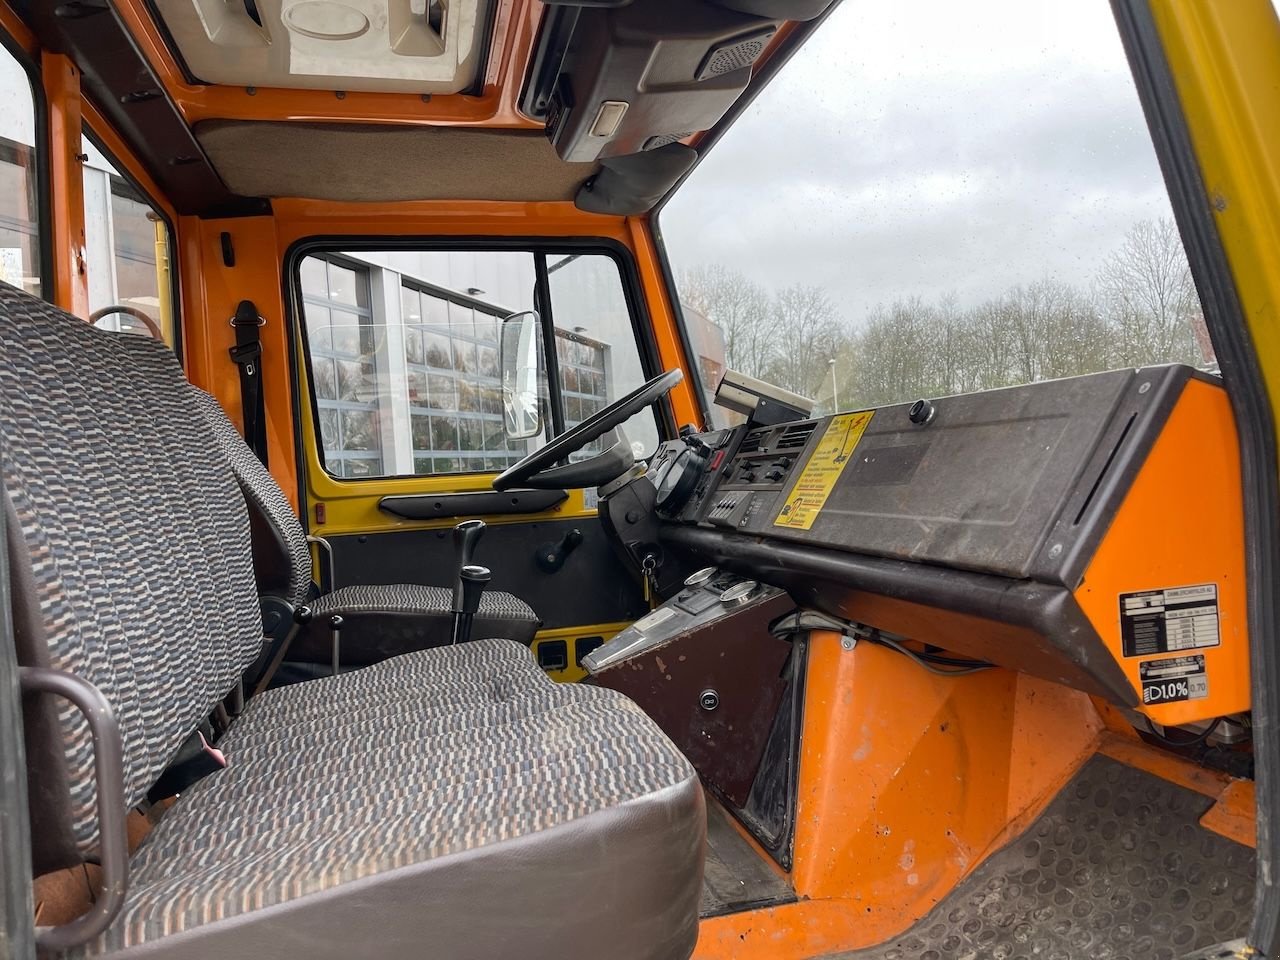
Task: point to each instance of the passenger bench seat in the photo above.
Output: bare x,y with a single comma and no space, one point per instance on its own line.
451,803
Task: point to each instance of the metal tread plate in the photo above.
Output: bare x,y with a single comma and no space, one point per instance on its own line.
1117,866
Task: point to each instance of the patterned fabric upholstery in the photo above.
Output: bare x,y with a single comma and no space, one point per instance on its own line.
140,587
264,494
419,757
411,598
266,497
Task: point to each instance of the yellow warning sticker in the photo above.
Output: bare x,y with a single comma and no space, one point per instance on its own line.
819,476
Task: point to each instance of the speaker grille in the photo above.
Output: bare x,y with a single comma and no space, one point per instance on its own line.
731,55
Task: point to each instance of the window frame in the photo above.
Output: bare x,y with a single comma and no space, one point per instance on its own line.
43,148
335,245
122,171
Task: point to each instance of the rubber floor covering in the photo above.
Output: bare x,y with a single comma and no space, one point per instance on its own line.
1116,868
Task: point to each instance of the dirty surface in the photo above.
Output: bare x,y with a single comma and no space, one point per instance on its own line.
1117,866
736,876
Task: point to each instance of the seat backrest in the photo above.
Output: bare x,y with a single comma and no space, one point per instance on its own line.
130,560
281,555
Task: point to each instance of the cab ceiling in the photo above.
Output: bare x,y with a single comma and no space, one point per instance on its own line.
369,163
397,46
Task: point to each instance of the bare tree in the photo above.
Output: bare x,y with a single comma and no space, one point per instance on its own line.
1149,298
739,307
1141,309
807,334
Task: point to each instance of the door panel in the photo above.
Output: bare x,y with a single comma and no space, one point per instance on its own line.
402,428
592,587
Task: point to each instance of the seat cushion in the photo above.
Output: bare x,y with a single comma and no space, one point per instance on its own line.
387,620
449,803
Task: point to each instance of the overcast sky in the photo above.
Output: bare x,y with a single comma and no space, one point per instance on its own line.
926,147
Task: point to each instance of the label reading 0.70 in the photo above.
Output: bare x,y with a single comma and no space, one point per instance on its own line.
1173,679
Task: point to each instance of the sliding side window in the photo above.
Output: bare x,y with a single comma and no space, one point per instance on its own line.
127,249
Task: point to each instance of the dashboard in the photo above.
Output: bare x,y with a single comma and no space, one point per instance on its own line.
1087,530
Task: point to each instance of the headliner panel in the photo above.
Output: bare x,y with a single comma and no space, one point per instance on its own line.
373,163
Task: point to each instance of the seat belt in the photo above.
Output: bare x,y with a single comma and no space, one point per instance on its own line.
247,355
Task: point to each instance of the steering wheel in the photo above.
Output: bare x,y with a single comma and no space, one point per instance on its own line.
152,328
543,460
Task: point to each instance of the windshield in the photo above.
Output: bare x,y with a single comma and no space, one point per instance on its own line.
934,198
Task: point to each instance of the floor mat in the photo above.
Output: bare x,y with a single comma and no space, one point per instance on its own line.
736,877
1117,866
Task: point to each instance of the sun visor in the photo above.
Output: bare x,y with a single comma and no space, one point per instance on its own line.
630,185
615,80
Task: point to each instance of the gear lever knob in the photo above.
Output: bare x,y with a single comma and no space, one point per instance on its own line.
472,579
466,537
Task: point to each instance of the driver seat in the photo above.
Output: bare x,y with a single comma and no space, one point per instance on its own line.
378,621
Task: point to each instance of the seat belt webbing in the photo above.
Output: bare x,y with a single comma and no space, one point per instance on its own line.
247,354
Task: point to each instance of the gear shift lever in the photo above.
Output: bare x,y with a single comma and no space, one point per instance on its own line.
472,579
466,537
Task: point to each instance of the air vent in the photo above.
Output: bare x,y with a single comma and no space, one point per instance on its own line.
794,438
754,440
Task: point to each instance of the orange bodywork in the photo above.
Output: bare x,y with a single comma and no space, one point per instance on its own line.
211,290
70,272
907,779
1182,524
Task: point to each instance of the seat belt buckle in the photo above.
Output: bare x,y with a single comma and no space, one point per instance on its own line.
214,754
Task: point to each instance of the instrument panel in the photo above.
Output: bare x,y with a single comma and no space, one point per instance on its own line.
1088,530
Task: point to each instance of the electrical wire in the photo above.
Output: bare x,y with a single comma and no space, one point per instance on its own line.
974,666
1194,741
801,621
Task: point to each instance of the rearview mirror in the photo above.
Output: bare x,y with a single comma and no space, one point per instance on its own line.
522,411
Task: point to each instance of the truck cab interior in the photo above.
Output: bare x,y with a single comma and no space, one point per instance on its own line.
642,479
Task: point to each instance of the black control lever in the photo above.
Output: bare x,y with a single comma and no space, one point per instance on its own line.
552,554
472,579
466,537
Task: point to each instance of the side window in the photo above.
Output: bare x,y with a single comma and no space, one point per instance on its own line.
127,248
20,240
971,200
345,348
403,351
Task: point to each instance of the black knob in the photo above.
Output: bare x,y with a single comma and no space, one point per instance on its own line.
921,412
471,583
466,537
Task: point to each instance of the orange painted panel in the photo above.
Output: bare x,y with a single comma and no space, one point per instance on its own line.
907,781
20,33
62,94
666,323
1182,524
1235,815
210,292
